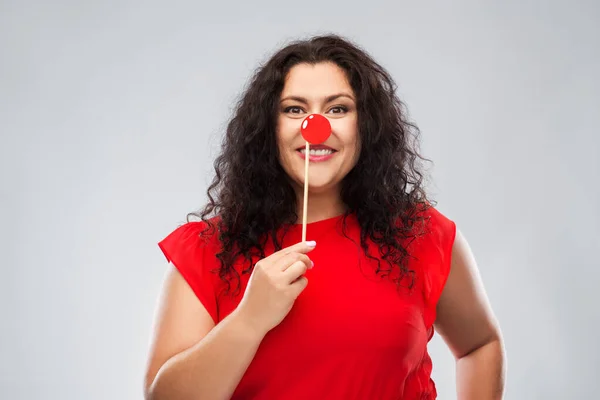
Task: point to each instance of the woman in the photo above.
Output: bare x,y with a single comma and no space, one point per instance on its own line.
248,311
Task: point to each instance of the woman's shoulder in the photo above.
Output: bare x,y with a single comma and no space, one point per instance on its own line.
434,237
436,222
434,250
189,248
194,234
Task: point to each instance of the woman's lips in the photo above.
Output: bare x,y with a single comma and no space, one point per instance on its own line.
316,158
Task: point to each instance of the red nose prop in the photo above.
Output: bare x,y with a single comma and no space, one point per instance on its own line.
315,129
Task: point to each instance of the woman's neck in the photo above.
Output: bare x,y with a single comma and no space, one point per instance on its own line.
320,206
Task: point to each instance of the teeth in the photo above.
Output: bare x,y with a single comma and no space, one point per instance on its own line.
323,152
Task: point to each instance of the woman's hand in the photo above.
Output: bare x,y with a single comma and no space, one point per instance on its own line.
275,284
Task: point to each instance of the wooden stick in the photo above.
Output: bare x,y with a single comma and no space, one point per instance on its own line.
307,156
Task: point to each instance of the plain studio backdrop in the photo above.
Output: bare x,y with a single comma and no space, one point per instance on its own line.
111,114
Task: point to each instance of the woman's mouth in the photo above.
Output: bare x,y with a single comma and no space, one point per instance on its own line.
317,155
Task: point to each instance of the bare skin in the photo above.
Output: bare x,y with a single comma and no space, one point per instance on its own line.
468,326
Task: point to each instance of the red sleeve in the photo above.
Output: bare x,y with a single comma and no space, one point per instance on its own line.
185,249
442,232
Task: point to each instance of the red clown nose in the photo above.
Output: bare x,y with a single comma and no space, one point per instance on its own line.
315,129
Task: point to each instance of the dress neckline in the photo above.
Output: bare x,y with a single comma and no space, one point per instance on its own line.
315,228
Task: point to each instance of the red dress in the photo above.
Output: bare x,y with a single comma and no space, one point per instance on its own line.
351,334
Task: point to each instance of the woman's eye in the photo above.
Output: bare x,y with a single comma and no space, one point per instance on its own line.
341,109
293,110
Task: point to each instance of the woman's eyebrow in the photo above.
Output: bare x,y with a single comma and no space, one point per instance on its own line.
327,99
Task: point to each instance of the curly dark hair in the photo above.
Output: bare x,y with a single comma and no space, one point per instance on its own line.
384,190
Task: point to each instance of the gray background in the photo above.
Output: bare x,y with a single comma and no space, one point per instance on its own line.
110,116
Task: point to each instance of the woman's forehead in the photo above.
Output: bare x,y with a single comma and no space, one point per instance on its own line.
316,81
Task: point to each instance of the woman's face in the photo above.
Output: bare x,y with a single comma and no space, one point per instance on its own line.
318,89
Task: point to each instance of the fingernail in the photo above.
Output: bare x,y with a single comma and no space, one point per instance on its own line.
312,243
312,264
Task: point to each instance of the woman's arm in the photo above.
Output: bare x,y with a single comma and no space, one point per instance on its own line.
468,326
190,357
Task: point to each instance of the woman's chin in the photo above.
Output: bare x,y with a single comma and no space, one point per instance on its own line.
317,186
317,182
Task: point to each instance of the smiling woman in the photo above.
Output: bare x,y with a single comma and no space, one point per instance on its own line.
250,311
